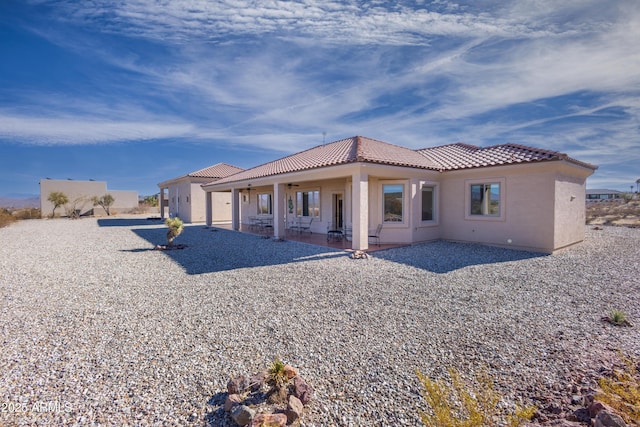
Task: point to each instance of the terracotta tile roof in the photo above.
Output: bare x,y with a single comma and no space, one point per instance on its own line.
354,149
464,156
367,150
219,170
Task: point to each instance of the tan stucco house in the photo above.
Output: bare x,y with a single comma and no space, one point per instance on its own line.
185,197
505,195
80,192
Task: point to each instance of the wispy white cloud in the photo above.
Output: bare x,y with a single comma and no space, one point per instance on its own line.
323,21
76,131
275,74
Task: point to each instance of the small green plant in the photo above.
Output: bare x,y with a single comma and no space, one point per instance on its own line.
277,374
277,379
621,390
618,317
458,405
175,228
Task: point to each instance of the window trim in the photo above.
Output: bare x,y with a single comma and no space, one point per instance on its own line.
484,217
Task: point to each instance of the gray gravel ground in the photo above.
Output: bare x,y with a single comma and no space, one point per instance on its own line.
99,328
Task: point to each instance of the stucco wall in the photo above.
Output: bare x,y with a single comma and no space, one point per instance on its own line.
569,210
187,200
526,221
124,200
539,213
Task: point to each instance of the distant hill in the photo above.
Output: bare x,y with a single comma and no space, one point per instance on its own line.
19,203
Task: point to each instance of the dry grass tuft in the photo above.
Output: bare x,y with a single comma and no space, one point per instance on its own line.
614,213
459,405
621,390
6,218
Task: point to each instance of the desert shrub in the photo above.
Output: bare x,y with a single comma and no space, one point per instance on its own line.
277,375
457,404
151,200
27,213
175,228
57,199
105,202
621,390
6,218
74,208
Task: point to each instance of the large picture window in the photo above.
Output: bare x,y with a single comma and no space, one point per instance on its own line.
308,203
485,199
428,203
264,204
393,195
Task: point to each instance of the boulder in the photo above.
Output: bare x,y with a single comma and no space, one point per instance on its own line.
242,415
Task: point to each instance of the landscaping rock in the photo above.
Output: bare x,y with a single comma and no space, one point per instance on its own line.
290,371
231,402
237,385
608,419
257,381
359,255
595,407
242,415
272,420
581,415
302,390
294,409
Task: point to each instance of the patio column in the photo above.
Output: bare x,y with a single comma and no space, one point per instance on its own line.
279,211
209,208
235,209
161,203
360,211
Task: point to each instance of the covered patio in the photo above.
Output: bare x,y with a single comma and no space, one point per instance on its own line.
313,238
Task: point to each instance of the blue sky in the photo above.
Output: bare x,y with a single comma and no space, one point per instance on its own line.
136,92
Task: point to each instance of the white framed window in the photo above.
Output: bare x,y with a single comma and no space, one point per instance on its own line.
308,203
428,203
264,204
485,199
393,203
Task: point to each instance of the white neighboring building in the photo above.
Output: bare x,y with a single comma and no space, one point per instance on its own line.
186,198
80,194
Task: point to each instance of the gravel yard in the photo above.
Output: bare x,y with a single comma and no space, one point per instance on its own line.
97,327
